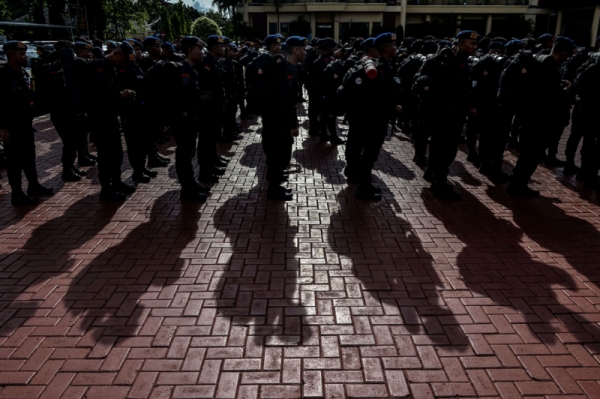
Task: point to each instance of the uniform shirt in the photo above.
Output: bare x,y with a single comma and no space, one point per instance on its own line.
131,77
587,86
211,85
103,93
16,98
316,72
285,96
145,63
187,96
229,77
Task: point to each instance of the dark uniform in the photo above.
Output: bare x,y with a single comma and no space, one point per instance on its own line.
331,80
16,103
229,73
279,119
308,80
317,91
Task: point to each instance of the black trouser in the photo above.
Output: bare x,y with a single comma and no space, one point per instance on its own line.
210,131
137,141
577,132
277,143
110,149
445,135
313,111
229,121
409,111
82,136
20,156
365,138
328,122
242,104
186,136
421,134
473,127
533,141
585,123
494,123
69,132
554,134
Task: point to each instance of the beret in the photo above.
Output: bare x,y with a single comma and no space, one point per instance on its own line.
514,43
82,46
14,45
97,51
60,44
272,39
168,45
127,48
296,41
385,38
467,34
151,41
232,46
190,41
214,39
111,43
327,43
370,42
134,43
496,44
545,37
565,41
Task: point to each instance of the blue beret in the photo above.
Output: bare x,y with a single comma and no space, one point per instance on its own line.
214,39
168,45
134,43
14,45
565,41
272,39
496,44
190,41
97,51
284,47
514,43
233,46
296,41
544,37
127,48
151,41
327,43
385,38
370,42
445,44
111,43
82,46
467,34
61,44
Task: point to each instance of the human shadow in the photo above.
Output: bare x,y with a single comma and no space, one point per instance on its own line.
55,250
389,277
113,295
391,165
531,300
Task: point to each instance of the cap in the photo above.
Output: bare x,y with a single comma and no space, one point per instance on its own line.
14,45
82,46
134,42
296,41
168,46
214,40
467,35
272,39
385,38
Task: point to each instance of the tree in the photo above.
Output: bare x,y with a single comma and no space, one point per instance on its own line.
204,27
300,27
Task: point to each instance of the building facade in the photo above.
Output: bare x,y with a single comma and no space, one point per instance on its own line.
342,19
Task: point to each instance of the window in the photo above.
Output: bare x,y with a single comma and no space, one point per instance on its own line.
285,29
272,28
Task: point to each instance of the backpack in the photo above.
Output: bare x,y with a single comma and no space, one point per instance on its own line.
260,80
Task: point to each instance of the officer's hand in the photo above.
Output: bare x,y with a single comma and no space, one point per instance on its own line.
5,136
295,132
567,85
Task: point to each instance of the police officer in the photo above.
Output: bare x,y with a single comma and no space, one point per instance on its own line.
326,121
187,114
307,79
16,127
229,67
83,51
546,91
105,101
331,79
213,106
152,51
450,90
280,121
371,89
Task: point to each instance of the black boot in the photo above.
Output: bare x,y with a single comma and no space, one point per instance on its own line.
69,174
37,190
19,198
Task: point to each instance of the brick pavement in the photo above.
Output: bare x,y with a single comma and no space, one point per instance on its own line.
323,296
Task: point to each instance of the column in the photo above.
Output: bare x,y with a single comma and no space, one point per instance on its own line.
595,26
559,19
336,26
458,24
313,24
488,24
403,10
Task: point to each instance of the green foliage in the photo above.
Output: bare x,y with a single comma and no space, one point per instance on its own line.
204,27
176,19
300,27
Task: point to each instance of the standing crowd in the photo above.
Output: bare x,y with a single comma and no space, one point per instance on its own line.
488,93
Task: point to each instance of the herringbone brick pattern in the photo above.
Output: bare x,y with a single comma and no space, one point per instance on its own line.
323,296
